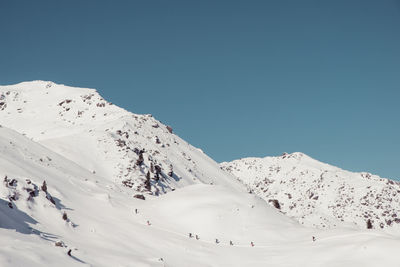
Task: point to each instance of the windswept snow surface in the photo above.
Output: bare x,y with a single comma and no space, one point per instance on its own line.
87,206
320,195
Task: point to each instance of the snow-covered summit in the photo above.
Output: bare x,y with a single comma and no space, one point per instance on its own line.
33,106
295,158
318,194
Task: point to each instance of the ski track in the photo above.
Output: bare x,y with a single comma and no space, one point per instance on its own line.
143,221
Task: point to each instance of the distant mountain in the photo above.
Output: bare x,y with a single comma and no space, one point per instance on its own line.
320,195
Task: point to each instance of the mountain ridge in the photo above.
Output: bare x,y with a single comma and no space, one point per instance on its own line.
318,194
80,125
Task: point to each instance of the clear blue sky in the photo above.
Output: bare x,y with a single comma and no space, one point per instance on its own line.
235,78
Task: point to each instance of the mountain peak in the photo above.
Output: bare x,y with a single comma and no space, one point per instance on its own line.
39,107
40,85
294,155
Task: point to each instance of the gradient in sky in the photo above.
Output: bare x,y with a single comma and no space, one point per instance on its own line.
235,78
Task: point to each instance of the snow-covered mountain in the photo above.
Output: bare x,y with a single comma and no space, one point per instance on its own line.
320,195
50,205
78,211
99,136
71,164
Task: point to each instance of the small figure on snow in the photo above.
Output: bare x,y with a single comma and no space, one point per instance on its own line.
69,253
216,241
190,235
313,239
197,237
148,222
231,243
252,244
136,211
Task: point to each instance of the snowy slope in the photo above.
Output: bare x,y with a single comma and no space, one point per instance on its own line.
321,195
95,157
80,125
102,228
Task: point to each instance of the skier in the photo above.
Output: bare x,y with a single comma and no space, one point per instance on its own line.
69,253
136,211
216,241
252,244
148,222
190,235
313,239
197,237
231,243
